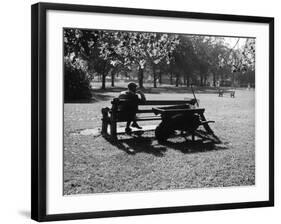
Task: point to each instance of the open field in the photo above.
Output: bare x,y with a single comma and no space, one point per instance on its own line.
94,165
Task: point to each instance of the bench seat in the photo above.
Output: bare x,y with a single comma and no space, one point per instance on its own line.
148,118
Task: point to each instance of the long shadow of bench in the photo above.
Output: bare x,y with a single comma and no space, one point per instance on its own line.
194,147
151,146
138,145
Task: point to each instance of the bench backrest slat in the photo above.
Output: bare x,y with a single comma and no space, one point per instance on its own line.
140,111
164,102
197,110
155,102
116,101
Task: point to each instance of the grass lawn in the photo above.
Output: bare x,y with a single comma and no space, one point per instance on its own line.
94,165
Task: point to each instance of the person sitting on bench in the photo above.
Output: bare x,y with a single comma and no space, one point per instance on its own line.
129,108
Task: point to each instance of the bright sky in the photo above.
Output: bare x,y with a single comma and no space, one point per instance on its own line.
232,41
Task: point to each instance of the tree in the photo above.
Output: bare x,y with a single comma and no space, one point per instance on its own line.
93,47
202,47
76,82
185,60
217,51
82,46
140,48
241,60
159,49
184,56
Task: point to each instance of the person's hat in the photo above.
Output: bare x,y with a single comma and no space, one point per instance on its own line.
132,85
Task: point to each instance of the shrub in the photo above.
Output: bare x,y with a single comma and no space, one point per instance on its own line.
76,84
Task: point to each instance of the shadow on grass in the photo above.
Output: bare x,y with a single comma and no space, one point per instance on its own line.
138,144
151,146
194,147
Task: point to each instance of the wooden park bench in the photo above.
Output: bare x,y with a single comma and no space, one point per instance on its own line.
110,116
223,91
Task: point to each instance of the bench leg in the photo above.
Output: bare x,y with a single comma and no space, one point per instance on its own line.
113,130
105,121
104,127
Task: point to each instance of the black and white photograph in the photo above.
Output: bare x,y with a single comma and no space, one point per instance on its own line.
142,111
153,111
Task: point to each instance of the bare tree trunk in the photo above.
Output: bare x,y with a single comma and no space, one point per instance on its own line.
177,79
154,76
205,80
112,78
201,80
187,80
171,78
103,81
160,77
214,79
140,76
104,73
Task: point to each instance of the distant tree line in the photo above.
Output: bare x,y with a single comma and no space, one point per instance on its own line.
183,58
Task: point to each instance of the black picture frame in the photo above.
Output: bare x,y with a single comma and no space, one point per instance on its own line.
39,107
